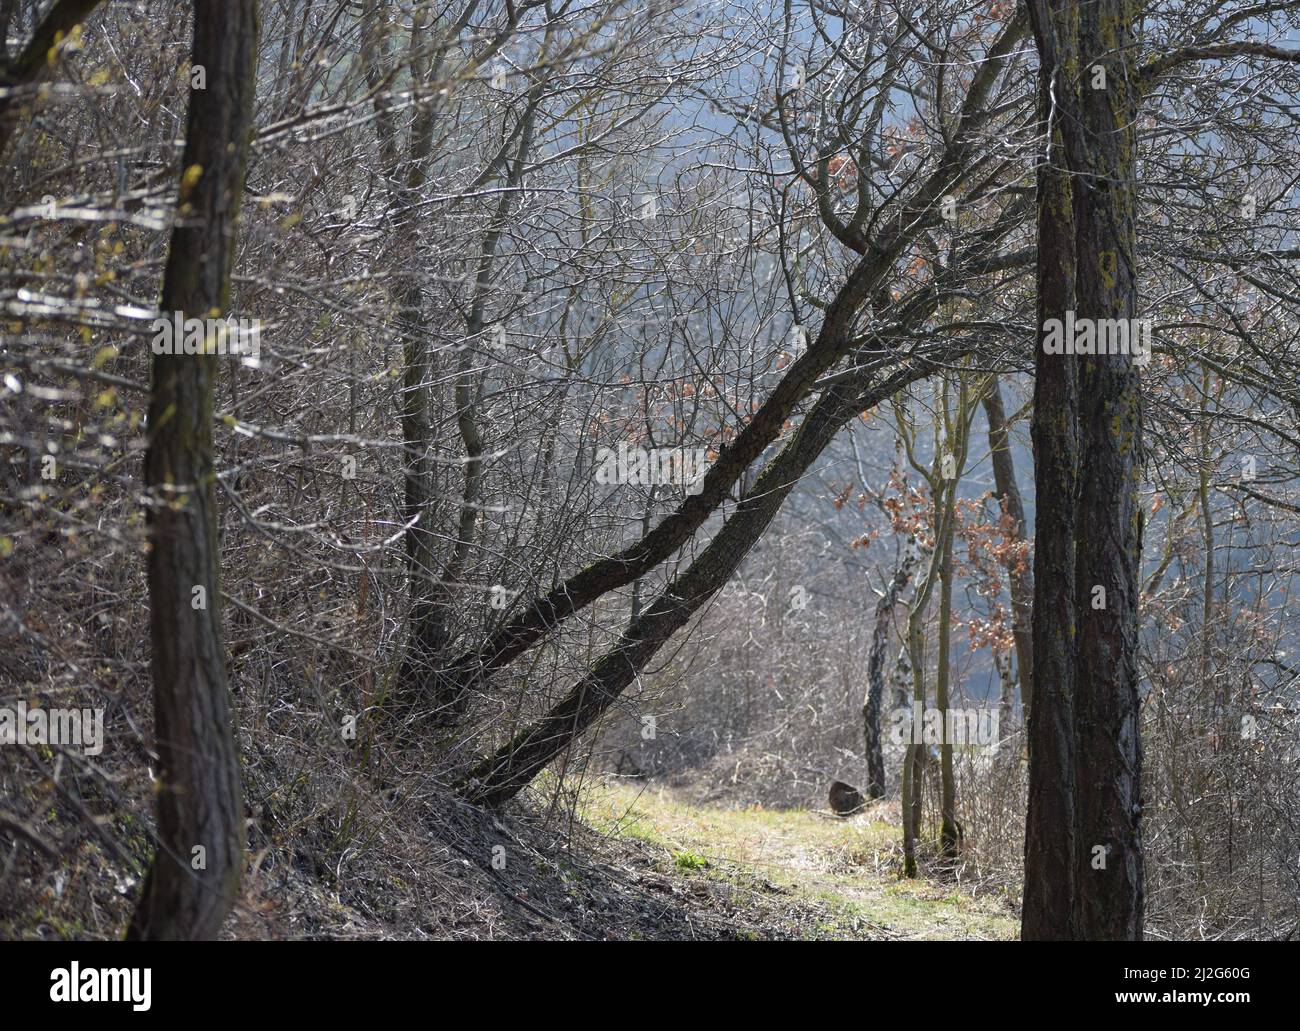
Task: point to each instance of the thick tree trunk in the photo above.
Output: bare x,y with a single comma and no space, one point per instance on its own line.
1083,857
1049,827
195,874
1109,548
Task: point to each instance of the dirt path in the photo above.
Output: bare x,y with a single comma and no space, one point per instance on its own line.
833,878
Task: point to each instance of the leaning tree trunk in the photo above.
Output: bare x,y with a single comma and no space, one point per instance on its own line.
33,63
833,342
192,883
502,775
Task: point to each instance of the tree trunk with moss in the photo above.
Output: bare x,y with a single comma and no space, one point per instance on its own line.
1109,548
1083,853
1046,911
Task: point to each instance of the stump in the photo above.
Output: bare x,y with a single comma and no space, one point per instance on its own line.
845,799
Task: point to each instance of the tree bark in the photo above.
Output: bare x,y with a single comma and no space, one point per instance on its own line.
1109,548
915,755
871,708
949,835
1083,853
195,873
1047,908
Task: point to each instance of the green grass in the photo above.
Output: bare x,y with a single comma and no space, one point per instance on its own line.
690,861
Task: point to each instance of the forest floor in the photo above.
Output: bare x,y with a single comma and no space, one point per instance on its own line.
613,860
